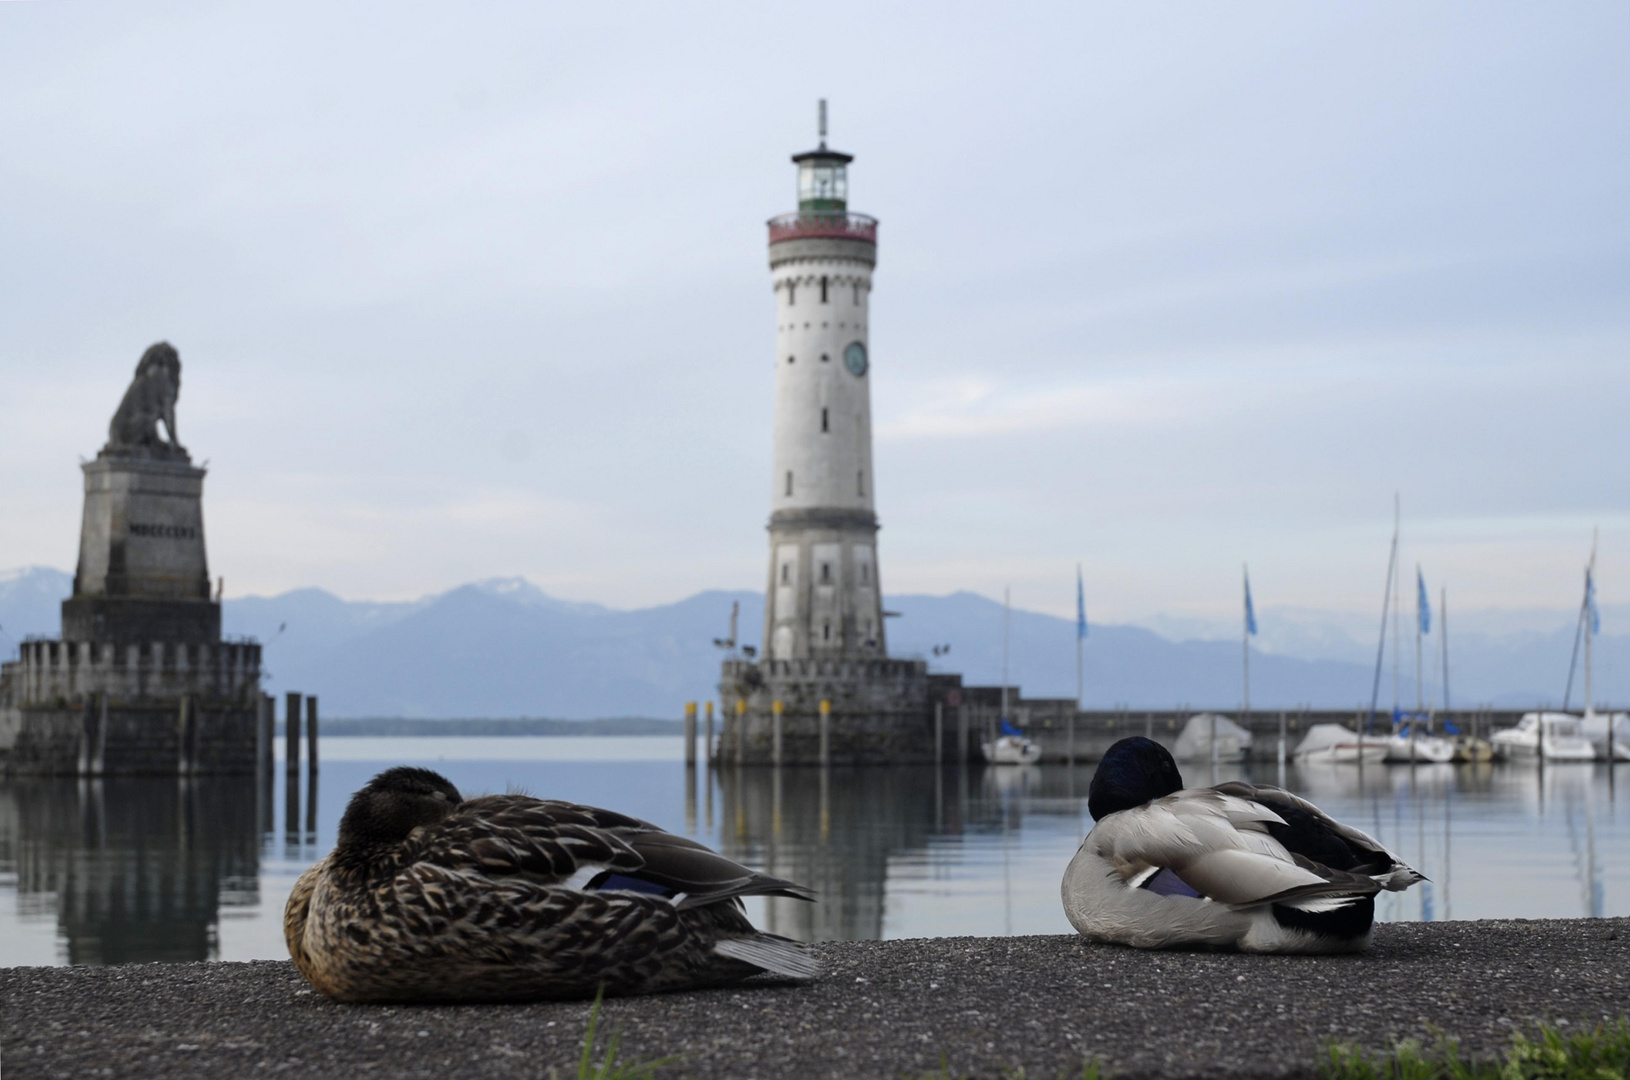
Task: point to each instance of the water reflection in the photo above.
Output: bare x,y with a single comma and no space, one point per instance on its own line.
159,869
134,869
923,852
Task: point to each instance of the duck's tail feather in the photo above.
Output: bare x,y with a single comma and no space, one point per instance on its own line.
773,954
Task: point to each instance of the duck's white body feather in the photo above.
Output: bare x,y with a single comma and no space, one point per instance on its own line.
1216,842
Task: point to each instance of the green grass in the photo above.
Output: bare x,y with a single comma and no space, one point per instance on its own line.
608,1067
1551,1054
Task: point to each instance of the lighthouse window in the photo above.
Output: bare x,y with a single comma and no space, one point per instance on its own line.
825,359
789,481
786,573
826,573
823,420
857,293
860,483
792,359
792,293
823,290
826,631
865,578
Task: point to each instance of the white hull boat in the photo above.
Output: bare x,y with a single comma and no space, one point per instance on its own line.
1332,744
1553,736
1011,750
1609,735
1405,747
1194,742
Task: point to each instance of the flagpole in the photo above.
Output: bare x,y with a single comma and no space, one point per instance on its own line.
1420,631
1590,632
1080,623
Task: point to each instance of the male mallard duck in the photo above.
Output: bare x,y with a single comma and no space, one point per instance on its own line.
429,897
1233,866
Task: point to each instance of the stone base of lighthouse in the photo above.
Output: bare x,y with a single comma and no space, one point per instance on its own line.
881,712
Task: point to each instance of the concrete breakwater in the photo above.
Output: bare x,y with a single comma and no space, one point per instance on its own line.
1048,722
880,1009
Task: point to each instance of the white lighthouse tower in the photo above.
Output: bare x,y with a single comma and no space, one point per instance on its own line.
823,598
825,689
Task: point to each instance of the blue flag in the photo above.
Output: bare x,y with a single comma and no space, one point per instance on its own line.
1423,606
1590,603
1250,610
1080,606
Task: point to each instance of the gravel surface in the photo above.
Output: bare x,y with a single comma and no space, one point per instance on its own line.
983,1006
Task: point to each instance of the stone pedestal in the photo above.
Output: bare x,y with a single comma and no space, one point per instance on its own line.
143,575
881,711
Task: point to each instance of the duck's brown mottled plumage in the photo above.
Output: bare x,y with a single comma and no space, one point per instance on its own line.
486,900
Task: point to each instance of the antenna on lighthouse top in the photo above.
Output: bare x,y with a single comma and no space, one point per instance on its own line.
823,123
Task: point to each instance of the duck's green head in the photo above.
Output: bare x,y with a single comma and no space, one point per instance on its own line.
393,804
1133,771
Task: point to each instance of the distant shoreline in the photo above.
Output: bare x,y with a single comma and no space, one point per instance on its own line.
399,727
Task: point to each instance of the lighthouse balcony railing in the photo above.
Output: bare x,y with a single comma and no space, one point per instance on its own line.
838,225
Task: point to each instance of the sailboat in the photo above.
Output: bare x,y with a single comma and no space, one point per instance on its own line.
1561,736
1608,734
1009,745
1468,748
1333,743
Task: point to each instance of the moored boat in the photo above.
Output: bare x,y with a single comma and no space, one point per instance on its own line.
1194,741
1008,749
1609,735
1334,744
1553,736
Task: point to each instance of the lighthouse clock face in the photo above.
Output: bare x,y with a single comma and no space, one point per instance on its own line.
854,358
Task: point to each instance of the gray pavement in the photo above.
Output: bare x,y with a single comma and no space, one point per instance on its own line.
985,1006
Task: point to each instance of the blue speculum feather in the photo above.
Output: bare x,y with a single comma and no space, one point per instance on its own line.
609,882
1166,883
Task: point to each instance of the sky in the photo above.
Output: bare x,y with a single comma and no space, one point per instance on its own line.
465,291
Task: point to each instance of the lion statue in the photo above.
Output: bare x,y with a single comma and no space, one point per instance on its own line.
151,398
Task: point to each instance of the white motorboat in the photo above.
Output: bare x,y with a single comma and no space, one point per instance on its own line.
1609,735
1554,736
1409,743
1334,744
1194,742
1011,750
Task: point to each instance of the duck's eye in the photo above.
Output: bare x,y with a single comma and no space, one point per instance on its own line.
441,796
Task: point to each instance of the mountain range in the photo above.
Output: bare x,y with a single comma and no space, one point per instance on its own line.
504,648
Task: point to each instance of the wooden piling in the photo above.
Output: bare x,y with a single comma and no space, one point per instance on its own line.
939,733
87,736
707,742
311,765
690,734
186,737
826,733
311,736
741,717
962,734
775,734
291,733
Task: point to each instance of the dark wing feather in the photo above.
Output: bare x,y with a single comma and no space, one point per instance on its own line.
1312,834
702,874
547,841
512,836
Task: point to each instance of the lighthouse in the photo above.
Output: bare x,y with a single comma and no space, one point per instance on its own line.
822,598
824,689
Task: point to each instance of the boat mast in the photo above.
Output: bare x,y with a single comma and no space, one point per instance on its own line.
1381,644
1420,594
1443,647
1007,595
1397,603
1590,632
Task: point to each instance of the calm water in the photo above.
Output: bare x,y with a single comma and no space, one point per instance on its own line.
152,869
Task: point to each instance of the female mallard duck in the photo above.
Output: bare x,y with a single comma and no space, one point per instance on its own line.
431,897
1232,866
